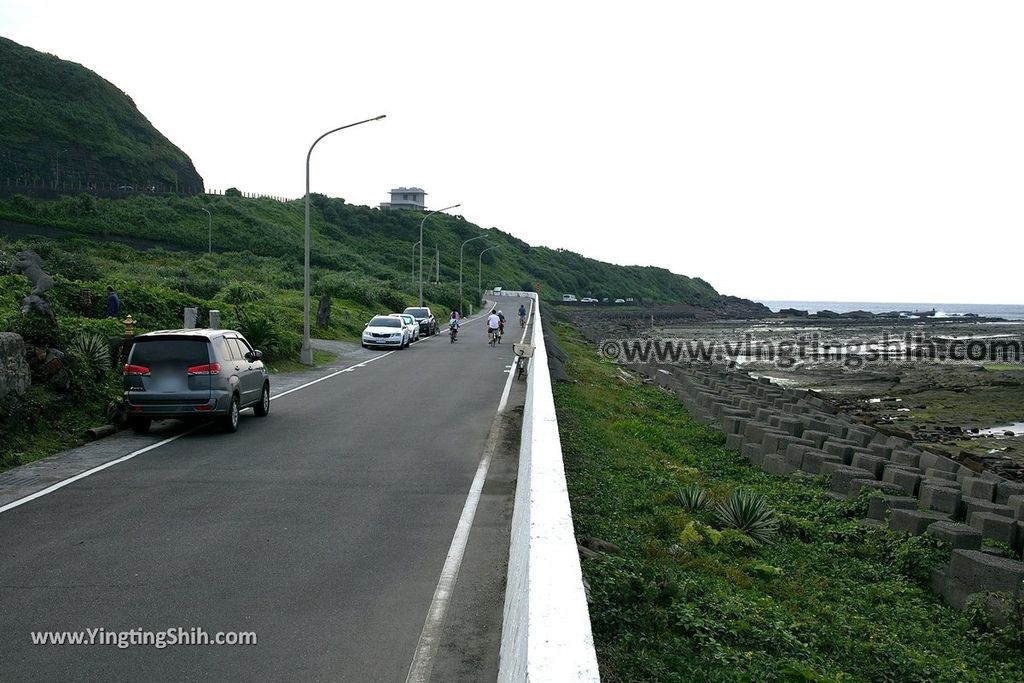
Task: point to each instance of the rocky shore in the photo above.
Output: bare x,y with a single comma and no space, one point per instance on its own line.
969,411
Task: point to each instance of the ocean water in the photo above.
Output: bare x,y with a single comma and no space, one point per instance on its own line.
1007,311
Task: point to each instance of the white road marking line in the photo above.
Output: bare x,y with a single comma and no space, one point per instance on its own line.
333,374
94,470
100,468
430,636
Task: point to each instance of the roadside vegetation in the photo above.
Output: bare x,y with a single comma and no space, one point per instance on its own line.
730,574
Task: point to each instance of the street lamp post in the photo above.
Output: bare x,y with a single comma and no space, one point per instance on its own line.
414,261
480,267
462,299
453,206
209,248
306,355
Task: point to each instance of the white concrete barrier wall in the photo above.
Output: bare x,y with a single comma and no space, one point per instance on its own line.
546,632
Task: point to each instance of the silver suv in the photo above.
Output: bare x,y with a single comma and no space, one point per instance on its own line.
194,374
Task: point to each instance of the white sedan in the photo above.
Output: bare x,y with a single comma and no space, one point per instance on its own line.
386,330
410,324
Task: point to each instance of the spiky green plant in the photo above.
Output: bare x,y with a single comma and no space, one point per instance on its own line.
750,513
93,351
692,498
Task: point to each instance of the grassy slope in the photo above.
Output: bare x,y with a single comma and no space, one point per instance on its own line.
830,600
358,240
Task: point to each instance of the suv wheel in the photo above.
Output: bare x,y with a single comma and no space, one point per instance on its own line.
263,407
230,421
140,425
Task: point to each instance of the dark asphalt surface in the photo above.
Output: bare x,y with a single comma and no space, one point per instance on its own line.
322,528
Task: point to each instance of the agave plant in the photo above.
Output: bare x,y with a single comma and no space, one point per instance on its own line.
692,498
93,351
749,512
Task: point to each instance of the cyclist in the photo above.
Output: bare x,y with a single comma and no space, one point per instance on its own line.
493,327
522,315
501,325
453,324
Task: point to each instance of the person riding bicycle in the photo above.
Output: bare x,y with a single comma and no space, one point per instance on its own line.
453,324
522,315
493,325
501,326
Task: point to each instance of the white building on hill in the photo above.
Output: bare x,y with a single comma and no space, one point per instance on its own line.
409,198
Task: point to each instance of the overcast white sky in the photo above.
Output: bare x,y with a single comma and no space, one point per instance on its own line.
843,151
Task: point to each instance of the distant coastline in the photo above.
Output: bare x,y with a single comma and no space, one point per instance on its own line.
1006,311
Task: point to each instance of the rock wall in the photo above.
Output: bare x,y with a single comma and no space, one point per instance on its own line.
15,376
794,433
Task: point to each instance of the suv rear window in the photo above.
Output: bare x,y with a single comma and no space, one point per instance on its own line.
186,351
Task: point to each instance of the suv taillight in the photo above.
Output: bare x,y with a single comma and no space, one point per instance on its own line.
136,370
209,369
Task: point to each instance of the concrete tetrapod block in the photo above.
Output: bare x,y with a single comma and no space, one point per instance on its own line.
906,479
881,450
861,435
814,460
872,463
973,571
777,465
995,527
842,449
940,499
818,437
933,473
979,488
734,424
843,477
955,534
944,463
914,521
734,441
906,458
972,505
775,442
1006,488
795,454
753,453
1016,504
879,506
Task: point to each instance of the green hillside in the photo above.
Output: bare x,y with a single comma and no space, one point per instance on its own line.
51,107
356,249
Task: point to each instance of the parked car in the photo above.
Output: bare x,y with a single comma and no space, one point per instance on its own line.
193,374
620,301
385,330
427,323
568,297
410,324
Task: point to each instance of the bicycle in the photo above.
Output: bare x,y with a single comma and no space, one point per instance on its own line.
453,332
522,321
494,335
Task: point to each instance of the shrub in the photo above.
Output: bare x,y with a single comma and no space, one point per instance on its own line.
93,352
692,498
749,512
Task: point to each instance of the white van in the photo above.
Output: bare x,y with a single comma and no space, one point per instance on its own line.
568,297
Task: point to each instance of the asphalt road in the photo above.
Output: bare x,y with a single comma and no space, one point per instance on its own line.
321,528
